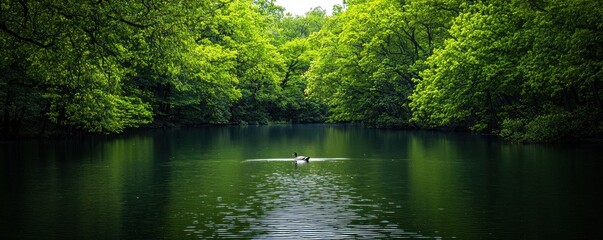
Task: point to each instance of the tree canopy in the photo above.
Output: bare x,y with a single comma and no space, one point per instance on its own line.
103,66
528,71
524,70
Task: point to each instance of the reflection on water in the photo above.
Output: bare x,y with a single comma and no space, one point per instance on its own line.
298,204
277,199
320,206
241,182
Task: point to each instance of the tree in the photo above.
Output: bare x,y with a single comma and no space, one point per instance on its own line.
527,71
73,55
258,66
368,57
105,66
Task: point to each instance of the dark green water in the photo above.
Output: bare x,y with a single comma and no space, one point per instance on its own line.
239,182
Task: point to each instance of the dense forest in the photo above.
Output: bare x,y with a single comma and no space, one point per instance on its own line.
526,70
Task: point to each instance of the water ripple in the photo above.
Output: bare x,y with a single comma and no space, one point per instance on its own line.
298,205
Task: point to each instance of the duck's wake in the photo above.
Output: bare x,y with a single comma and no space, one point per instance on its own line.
312,159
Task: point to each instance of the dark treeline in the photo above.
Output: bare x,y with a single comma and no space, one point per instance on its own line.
524,70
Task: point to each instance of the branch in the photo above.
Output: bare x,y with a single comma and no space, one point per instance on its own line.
133,24
290,69
4,28
94,41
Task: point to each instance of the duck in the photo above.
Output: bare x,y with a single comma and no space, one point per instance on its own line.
300,158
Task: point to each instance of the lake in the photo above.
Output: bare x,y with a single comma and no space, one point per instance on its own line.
241,182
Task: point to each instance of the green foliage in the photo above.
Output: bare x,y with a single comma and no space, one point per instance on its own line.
530,72
76,53
461,78
527,71
368,56
258,69
296,52
292,27
21,102
549,127
106,66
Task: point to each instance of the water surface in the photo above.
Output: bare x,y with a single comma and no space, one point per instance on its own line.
241,182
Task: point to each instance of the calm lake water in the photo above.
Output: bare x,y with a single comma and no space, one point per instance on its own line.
241,182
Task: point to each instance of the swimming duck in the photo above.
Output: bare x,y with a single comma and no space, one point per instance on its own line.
300,158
